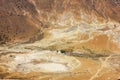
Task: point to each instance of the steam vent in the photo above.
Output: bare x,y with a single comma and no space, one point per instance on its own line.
59,39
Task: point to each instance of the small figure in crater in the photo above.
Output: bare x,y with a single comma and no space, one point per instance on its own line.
61,51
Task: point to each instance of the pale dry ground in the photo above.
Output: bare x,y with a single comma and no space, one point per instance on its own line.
91,56
50,65
88,30
33,63
96,37
44,61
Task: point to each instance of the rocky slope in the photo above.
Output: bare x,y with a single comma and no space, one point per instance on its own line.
98,22
86,31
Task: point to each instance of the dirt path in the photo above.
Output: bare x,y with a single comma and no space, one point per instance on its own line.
103,64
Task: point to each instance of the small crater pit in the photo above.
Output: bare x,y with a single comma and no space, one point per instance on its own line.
47,62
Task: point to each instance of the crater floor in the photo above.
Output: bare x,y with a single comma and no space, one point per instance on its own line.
22,62
60,39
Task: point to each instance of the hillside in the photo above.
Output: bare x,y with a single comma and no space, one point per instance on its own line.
80,37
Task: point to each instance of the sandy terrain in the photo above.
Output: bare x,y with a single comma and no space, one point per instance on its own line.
60,39
52,65
43,62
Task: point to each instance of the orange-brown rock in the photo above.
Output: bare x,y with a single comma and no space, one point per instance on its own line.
17,15
60,39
